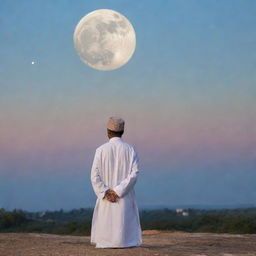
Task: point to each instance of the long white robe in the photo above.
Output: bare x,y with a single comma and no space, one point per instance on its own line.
115,166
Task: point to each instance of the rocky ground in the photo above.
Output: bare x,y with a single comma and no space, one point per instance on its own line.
155,243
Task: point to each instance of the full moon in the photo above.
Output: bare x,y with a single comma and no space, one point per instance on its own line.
104,39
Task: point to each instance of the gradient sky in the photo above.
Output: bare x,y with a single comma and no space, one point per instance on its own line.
188,96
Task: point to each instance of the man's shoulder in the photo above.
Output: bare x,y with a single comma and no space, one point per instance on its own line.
129,146
102,147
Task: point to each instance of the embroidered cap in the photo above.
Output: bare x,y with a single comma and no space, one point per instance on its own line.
115,124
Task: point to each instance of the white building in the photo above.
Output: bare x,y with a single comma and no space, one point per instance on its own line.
179,210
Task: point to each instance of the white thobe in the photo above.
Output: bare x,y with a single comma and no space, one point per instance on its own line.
115,166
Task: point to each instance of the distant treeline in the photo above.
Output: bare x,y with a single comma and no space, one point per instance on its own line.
78,221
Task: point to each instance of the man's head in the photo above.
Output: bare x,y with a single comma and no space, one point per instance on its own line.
115,127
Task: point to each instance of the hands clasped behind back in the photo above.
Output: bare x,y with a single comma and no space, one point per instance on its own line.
111,196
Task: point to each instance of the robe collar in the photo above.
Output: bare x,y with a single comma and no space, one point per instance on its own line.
115,139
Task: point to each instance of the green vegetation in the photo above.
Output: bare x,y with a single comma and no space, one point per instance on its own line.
75,222
240,221
78,221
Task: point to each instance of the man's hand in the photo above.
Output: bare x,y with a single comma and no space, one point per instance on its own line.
111,196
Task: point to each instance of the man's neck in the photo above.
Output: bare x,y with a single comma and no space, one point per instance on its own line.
115,138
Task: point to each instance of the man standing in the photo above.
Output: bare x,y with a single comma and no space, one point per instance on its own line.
115,221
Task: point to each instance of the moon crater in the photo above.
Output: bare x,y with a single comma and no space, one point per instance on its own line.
104,39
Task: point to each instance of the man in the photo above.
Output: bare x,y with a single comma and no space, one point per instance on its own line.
115,221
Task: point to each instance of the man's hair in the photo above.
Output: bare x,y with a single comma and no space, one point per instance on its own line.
115,134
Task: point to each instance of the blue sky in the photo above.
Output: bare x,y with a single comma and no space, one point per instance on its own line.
187,95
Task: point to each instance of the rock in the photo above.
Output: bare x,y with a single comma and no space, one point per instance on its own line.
155,243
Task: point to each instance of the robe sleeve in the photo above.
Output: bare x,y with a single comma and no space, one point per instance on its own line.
98,185
128,183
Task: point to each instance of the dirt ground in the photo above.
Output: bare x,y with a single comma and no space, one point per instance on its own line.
155,243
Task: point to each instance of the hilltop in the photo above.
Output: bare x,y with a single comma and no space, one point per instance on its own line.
155,243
